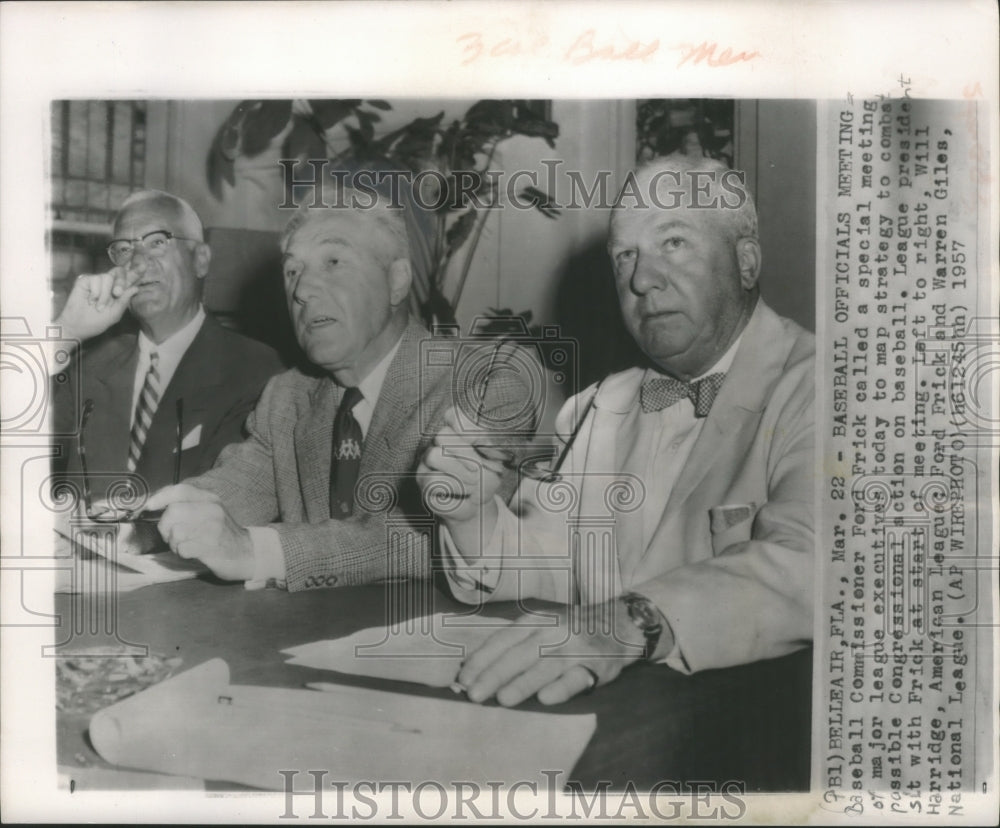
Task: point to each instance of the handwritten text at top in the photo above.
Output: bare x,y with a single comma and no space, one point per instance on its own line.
590,46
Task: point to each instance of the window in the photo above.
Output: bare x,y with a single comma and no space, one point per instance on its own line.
98,158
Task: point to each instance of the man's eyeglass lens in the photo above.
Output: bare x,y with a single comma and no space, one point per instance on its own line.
120,251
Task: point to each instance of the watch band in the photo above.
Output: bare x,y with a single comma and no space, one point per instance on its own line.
647,618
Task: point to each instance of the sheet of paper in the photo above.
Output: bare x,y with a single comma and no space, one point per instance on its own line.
197,724
427,650
97,570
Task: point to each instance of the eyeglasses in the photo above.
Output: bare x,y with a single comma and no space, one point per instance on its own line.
154,243
535,467
110,513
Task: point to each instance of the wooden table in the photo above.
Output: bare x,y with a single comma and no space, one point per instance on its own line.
750,724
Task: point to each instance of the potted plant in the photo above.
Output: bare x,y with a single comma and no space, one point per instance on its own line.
460,151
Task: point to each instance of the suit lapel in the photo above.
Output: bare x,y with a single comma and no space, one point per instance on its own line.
196,377
400,394
597,562
314,445
108,431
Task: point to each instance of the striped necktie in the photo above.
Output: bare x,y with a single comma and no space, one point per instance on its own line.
149,398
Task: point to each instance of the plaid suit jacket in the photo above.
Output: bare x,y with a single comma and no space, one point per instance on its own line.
280,475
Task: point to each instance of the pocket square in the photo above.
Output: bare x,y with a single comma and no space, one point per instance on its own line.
731,524
192,439
726,517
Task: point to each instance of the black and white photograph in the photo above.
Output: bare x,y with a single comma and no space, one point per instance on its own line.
442,444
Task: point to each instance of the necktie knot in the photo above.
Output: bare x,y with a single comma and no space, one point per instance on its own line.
658,393
352,396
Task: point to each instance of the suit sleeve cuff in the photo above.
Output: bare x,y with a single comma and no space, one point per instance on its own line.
268,558
475,573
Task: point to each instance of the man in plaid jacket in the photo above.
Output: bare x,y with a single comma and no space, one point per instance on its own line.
265,514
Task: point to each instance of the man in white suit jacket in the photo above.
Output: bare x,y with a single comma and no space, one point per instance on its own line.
681,528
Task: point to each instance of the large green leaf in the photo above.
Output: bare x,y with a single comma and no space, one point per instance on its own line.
490,118
330,112
413,144
263,122
460,230
219,165
303,142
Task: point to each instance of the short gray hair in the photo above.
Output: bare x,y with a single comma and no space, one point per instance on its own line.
741,219
377,209
187,218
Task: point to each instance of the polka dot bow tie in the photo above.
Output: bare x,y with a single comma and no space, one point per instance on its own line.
662,392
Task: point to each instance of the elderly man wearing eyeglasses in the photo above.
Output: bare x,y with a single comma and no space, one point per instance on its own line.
165,387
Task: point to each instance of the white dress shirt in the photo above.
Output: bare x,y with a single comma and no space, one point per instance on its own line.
269,559
170,352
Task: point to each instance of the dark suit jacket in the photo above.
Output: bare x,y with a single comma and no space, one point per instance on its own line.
219,379
280,475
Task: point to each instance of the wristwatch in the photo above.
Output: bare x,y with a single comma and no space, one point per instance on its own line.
645,615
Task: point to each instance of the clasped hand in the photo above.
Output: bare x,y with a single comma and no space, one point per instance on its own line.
454,476
196,525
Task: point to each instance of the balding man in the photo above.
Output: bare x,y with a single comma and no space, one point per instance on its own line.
711,443
170,378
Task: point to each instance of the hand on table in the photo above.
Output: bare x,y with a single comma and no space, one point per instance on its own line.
554,662
96,302
196,525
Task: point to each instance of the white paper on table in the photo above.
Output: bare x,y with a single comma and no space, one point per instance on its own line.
125,572
197,724
427,650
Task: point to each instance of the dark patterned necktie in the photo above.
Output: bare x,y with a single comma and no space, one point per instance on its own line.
347,440
662,392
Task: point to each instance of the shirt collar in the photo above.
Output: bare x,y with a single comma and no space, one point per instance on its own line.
371,385
174,346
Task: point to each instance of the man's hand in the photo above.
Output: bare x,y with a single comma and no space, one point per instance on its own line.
587,643
95,303
196,525
455,477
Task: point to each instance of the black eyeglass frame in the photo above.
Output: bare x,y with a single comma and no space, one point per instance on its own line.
141,240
